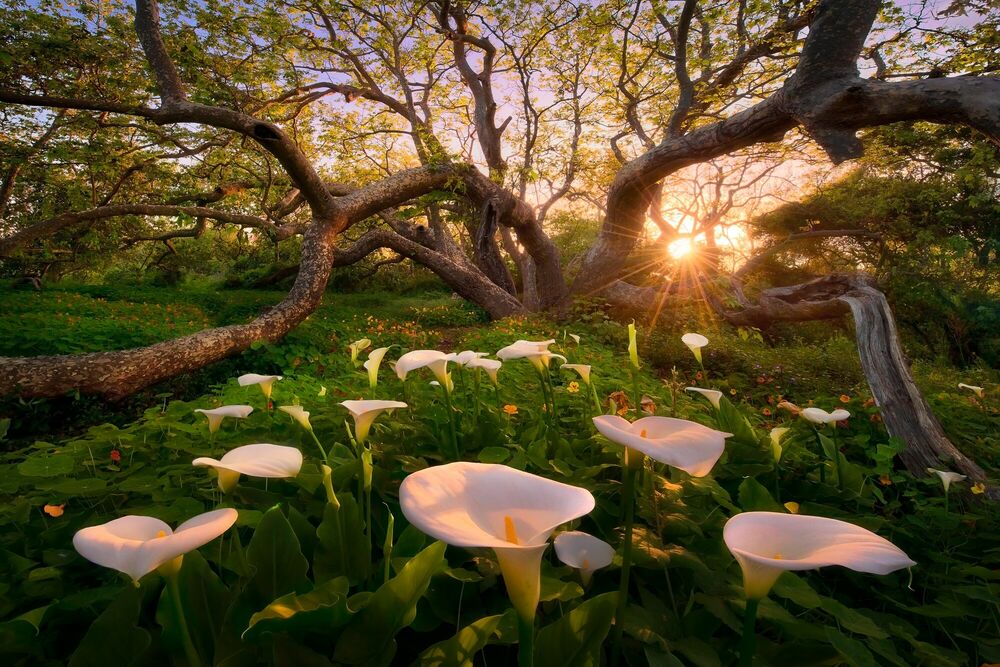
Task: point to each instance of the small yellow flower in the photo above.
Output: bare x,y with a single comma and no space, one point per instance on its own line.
732,392
510,409
978,488
57,510
792,507
844,398
573,387
885,480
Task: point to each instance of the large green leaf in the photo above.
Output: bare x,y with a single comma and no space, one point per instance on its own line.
344,549
276,558
204,599
45,465
853,651
322,609
755,497
462,648
576,638
368,638
114,638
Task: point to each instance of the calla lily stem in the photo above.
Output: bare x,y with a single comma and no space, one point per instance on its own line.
318,444
628,497
525,642
748,643
173,589
451,423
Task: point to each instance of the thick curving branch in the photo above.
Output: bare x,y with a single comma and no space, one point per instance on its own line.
825,96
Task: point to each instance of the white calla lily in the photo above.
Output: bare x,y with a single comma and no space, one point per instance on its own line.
266,382
584,552
494,506
777,433
433,359
537,352
357,347
299,414
365,412
765,544
372,365
978,391
491,366
713,395
947,477
633,346
216,415
463,358
819,416
137,545
576,338
683,444
259,460
583,370
694,342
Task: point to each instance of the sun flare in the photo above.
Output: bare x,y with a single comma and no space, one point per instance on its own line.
680,248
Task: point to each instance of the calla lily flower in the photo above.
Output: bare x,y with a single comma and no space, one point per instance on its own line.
433,359
576,338
260,460
633,346
677,442
463,358
777,433
978,391
694,343
494,506
491,366
266,382
583,370
365,412
137,545
765,544
818,416
372,364
947,477
357,347
584,552
216,415
537,352
712,395
298,414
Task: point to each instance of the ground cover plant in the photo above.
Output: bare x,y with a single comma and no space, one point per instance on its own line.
323,565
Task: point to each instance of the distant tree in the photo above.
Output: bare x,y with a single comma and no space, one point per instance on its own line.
244,96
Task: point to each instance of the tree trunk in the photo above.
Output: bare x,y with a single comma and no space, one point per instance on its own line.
905,412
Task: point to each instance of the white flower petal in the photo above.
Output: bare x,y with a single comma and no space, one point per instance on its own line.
583,370
254,378
466,504
259,460
712,395
137,545
947,477
769,543
435,360
297,413
819,416
583,551
694,341
978,391
677,442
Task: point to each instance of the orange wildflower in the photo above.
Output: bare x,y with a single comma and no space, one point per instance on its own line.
54,510
510,409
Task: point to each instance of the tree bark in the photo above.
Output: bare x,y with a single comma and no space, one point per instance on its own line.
904,410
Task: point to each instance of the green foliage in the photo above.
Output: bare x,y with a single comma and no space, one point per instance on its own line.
302,581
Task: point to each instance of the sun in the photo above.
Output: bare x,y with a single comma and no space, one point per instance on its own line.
680,248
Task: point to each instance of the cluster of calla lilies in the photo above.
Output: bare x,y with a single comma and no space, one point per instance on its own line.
512,512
